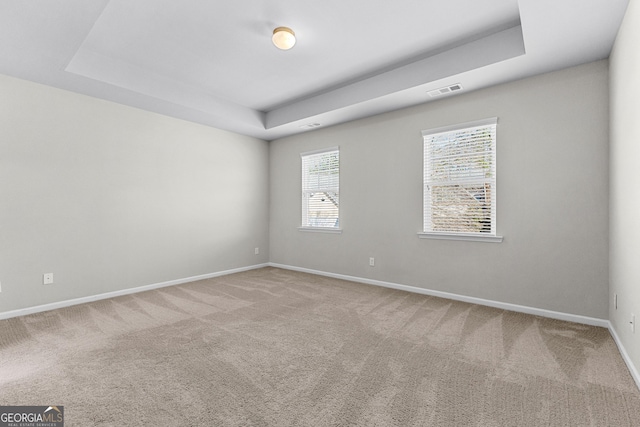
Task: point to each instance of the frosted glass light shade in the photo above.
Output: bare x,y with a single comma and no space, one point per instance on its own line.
284,38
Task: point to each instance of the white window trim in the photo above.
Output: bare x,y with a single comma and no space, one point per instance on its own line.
460,236
471,237
320,151
330,230
473,124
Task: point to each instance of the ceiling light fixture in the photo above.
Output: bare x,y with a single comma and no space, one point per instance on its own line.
284,38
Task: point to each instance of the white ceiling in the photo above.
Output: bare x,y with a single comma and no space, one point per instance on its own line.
212,61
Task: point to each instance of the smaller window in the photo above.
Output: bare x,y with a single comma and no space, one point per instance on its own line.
321,189
460,180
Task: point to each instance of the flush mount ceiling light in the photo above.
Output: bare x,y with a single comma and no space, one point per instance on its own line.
284,38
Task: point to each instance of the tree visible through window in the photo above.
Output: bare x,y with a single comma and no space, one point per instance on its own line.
460,179
321,188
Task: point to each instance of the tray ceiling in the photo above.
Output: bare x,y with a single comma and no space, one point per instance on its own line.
212,62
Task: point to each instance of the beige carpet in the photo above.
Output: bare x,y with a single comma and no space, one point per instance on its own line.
271,347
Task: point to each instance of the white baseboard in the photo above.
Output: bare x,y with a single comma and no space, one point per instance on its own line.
489,303
496,304
625,356
91,298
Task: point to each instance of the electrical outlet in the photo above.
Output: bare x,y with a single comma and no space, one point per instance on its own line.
256,251
633,323
372,262
615,301
47,279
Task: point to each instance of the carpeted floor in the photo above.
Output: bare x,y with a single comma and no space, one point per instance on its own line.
272,347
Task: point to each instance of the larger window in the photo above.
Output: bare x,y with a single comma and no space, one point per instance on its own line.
460,180
321,189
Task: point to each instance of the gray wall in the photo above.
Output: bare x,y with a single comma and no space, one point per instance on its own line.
625,182
109,197
552,151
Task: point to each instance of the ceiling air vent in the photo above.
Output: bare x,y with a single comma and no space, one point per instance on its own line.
310,126
444,90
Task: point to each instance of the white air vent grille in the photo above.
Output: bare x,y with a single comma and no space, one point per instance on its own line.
444,90
310,126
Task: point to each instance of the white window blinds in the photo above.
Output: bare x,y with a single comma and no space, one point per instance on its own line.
321,188
460,178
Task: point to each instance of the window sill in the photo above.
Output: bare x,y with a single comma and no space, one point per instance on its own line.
461,236
330,230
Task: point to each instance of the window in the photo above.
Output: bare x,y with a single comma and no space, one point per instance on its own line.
321,189
460,181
